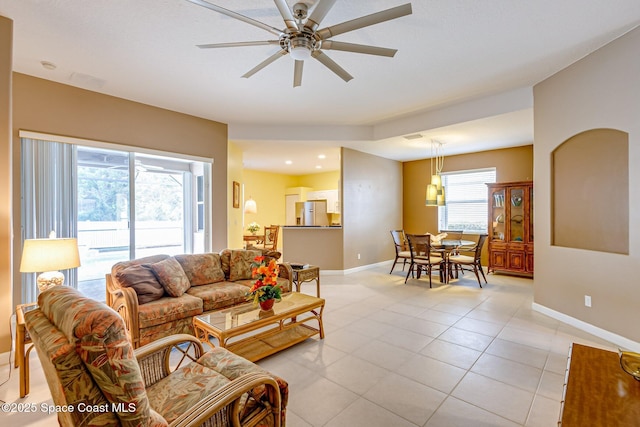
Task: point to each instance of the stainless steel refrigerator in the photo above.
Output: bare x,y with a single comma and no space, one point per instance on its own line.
313,212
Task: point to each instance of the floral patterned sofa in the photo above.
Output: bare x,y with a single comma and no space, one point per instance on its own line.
158,296
96,378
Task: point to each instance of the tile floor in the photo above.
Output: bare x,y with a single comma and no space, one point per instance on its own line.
406,355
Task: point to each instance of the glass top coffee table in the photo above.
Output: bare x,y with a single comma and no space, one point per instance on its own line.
254,334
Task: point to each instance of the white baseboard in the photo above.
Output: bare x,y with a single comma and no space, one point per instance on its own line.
354,269
620,341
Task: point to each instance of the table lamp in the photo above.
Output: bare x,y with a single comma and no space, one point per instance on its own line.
47,256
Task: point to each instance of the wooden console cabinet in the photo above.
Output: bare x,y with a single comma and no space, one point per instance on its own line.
511,227
597,392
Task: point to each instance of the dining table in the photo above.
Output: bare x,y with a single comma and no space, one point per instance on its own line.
250,239
446,247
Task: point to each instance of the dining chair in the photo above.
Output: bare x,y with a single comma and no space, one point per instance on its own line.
270,240
470,263
421,257
402,248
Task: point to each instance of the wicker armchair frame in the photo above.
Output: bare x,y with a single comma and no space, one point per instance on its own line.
222,407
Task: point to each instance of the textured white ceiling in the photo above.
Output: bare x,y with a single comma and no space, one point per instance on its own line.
449,52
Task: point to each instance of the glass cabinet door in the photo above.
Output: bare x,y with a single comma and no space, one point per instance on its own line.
516,214
498,214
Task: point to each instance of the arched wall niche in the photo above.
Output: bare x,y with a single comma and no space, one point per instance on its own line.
590,192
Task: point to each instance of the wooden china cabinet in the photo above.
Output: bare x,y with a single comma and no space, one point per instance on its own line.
511,227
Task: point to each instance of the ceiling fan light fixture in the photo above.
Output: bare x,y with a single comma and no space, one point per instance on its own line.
301,37
300,48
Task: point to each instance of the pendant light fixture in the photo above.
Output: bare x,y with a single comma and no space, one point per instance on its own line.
435,190
250,206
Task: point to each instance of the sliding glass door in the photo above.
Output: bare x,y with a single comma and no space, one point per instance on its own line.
103,215
129,205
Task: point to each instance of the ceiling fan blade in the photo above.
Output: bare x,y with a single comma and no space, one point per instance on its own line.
297,73
237,16
264,63
358,48
330,64
364,21
289,20
238,44
318,14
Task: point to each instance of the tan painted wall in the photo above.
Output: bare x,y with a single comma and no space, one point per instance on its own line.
6,240
512,164
371,206
599,91
582,172
48,107
315,246
235,172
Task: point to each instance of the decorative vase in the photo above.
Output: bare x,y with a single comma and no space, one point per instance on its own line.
267,305
253,232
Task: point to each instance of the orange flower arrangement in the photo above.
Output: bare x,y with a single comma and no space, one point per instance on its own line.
266,286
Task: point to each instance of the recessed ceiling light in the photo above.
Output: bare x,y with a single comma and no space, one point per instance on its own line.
318,167
288,162
322,156
48,65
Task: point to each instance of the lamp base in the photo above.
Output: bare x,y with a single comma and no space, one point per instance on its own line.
49,279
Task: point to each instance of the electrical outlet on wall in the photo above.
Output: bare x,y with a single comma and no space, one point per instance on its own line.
587,300
358,256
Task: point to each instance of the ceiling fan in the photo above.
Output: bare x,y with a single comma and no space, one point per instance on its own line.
303,39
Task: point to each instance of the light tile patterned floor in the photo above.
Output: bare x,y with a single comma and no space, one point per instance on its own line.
406,355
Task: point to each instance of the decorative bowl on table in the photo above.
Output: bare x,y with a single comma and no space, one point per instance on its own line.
630,362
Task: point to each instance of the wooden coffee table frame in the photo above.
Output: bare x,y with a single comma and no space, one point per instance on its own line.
277,329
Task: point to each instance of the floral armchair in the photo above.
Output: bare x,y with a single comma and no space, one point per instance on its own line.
95,374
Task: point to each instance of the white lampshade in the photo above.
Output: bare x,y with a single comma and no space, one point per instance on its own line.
47,256
250,206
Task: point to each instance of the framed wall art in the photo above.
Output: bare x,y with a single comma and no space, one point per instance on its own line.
236,194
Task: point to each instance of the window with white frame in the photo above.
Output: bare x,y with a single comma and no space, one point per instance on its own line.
466,200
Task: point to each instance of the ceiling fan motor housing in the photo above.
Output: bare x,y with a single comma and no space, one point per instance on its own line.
301,45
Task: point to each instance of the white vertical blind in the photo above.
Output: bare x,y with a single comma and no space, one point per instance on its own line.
467,206
49,187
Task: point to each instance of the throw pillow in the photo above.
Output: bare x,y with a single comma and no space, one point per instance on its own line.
143,281
225,260
201,269
171,276
240,263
